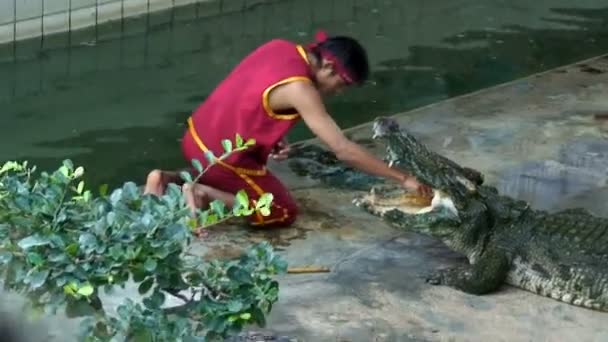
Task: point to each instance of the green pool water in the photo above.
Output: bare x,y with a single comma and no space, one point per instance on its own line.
114,99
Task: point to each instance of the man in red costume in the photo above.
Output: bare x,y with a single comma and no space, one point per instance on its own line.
276,85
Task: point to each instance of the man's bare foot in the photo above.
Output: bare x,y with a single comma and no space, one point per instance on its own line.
196,198
157,181
200,232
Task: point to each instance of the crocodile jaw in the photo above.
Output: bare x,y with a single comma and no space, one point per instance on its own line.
378,203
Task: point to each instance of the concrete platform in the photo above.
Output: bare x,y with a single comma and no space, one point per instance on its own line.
537,139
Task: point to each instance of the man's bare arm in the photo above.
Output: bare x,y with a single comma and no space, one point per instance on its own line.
306,100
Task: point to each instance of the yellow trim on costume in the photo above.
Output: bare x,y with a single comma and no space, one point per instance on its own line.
267,91
266,102
303,53
278,219
260,192
203,147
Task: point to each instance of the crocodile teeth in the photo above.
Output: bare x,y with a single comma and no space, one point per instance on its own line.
390,163
467,183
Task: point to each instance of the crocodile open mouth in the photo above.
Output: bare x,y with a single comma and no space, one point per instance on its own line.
383,198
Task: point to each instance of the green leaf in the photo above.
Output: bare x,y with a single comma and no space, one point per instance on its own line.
37,279
216,324
210,157
161,252
139,274
197,165
86,197
131,190
145,286
218,207
10,166
155,301
235,306
87,240
186,176
35,258
258,317
64,171
116,252
264,211
103,190
86,290
78,172
264,201
227,145
5,257
245,212
250,142
211,219
33,241
245,316
242,199
150,265
203,220
70,288
280,266
239,274
72,249
57,258
239,140
80,187
110,218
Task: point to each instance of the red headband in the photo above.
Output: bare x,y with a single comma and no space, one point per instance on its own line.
321,37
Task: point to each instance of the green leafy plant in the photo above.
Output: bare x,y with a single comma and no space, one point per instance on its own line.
61,244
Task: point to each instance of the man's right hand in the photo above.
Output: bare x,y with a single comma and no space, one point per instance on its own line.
412,184
281,151
306,100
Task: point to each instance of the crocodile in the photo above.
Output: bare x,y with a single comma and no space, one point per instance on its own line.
561,255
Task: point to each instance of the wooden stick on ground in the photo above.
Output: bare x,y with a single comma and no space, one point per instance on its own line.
308,269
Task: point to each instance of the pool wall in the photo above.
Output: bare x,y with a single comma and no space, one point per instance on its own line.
23,19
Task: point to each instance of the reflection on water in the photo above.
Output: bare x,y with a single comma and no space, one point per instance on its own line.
118,105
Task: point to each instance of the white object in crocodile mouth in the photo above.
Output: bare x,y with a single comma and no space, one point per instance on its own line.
382,205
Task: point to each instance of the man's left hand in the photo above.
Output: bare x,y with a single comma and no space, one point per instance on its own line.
281,151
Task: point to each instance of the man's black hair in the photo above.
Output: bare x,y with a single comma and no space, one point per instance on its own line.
350,53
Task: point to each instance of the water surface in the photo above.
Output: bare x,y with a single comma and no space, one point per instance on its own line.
115,98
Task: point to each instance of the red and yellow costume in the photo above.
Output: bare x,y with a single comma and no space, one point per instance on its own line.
240,105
